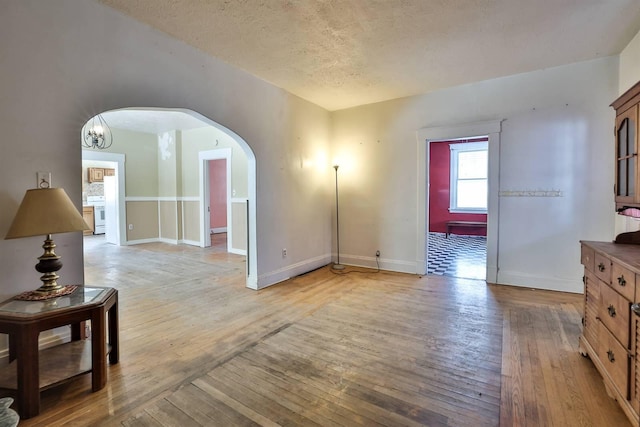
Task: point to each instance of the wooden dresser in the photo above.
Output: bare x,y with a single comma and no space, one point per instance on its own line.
611,327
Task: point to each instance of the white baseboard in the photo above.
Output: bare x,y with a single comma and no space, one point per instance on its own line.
514,278
384,263
218,230
141,241
238,251
293,270
170,241
189,242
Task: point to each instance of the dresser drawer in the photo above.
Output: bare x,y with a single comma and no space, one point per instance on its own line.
615,359
602,268
623,280
591,304
586,257
614,312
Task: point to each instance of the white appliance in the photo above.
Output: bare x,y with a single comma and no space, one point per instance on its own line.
98,213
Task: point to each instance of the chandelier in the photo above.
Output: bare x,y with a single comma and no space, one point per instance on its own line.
97,134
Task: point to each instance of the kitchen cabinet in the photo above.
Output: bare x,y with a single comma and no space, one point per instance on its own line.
98,174
627,175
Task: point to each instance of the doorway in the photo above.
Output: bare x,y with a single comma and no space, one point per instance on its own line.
457,206
425,136
162,202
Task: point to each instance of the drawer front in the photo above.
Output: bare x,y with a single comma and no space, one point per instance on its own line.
614,313
623,281
602,268
615,359
591,304
586,257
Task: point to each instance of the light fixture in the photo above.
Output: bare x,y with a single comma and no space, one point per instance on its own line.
46,211
337,265
96,133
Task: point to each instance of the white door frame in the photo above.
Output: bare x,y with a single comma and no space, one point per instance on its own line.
205,216
119,160
424,136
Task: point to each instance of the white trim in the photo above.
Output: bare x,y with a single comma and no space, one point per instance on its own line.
119,160
205,223
424,136
386,264
189,242
540,282
162,199
238,251
217,230
141,241
166,240
293,270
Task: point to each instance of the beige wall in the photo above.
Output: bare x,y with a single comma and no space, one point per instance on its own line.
191,211
205,139
556,135
630,65
144,217
49,56
167,164
239,223
168,220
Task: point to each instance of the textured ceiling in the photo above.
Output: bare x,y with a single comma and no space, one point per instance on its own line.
343,53
151,121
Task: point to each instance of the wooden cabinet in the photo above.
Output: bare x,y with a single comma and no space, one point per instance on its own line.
627,175
89,218
98,174
611,327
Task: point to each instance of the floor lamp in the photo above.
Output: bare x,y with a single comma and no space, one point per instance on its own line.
337,265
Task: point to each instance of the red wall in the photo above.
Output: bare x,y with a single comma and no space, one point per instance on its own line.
218,193
439,161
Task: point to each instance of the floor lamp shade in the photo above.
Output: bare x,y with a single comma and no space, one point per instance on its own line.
46,211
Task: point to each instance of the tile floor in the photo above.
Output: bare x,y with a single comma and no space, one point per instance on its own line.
457,256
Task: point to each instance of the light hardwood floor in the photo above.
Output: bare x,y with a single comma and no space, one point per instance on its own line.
198,348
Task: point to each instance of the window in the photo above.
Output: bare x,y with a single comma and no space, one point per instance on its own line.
469,177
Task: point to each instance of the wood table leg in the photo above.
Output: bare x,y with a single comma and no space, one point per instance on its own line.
114,354
28,394
98,349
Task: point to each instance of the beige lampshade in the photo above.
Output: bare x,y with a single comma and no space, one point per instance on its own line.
46,211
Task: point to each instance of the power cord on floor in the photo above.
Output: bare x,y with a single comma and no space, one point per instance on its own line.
368,271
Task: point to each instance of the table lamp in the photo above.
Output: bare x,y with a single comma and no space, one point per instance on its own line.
46,211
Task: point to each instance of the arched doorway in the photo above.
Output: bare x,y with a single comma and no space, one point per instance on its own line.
165,130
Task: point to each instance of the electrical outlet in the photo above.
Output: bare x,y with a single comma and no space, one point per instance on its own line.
284,252
44,180
377,254
130,226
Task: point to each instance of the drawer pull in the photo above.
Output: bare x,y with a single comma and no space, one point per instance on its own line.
612,310
636,308
601,267
611,356
621,281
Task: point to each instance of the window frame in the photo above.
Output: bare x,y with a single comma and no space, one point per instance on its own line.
453,177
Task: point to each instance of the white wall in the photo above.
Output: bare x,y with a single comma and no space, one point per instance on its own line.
63,62
556,135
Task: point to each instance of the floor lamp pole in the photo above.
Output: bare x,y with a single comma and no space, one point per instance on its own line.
337,265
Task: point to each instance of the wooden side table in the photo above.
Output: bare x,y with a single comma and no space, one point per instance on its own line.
30,370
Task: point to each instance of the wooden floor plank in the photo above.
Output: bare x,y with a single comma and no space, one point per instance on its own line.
198,348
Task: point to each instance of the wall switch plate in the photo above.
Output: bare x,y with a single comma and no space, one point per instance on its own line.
44,180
